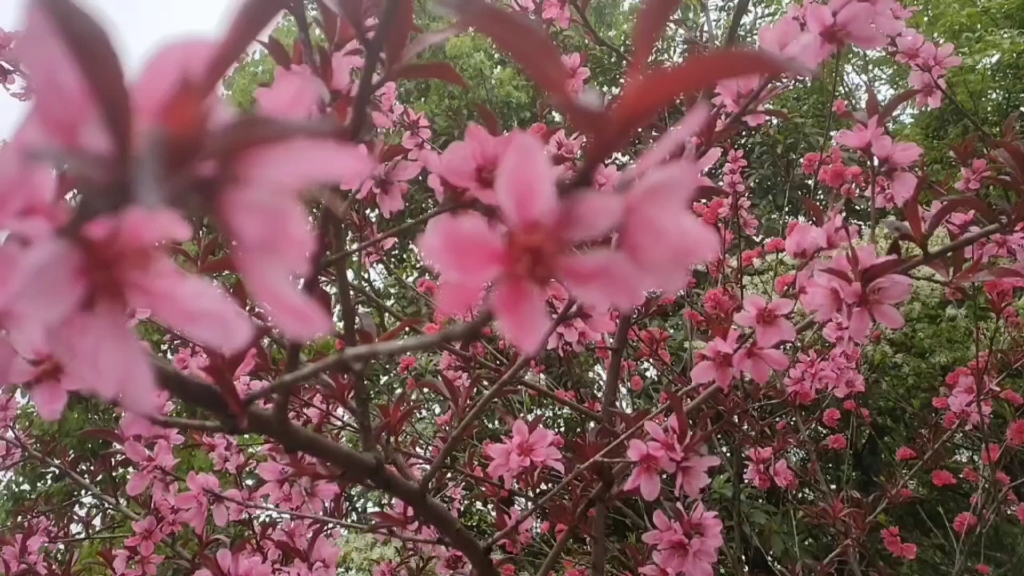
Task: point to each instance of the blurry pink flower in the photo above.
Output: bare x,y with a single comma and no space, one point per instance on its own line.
895,154
472,163
904,454
964,522
296,94
758,362
894,544
804,240
768,320
266,194
1015,433
942,478
836,442
537,246
692,474
239,564
862,136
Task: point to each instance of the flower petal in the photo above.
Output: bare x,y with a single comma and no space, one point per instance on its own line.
521,309
525,183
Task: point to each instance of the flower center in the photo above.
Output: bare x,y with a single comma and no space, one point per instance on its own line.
532,254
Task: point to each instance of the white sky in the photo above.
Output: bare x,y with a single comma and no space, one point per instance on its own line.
137,28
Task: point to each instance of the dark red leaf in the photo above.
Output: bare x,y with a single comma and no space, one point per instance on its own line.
642,99
402,327
815,211
953,205
428,39
251,19
872,106
329,23
442,71
892,105
97,60
277,52
531,47
878,270
399,34
489,120
912,213
841,274
649,28
108,435
252,131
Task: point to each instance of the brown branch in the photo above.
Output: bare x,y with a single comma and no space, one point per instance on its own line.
361,467
599,555
484,402
360,109
360,393
391,233
358,354
737,18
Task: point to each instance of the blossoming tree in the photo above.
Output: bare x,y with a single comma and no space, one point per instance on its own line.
237,339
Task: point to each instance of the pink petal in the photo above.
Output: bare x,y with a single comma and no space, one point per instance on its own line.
464,248
101,355
454,298
601,278
310,162
296,94
49,398
196,307
165,72
671,141
888,316
590,215
525,183
703,372
520,308
297,315
62,100
650,486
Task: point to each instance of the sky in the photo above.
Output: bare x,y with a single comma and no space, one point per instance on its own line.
137,28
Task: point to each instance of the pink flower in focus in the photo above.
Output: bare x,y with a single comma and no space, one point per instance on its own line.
577,71
831,417
388,185
523,450
473,162
535,247
768,320
651,460
715,362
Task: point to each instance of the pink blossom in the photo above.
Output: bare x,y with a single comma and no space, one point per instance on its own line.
804,241
263,197
942,478
523,450
768,320
894,544
651,460
557,12
240,564
473,162
895,154
578,73
905,453
964,522
836,442
972,177
1015,433
715,362
388,185
686,546
535,247
862,136
842,22
116,263
759,362
296,94
831,417
692,474
147,535
783,476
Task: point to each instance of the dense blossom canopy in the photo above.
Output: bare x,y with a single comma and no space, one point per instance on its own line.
243,327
